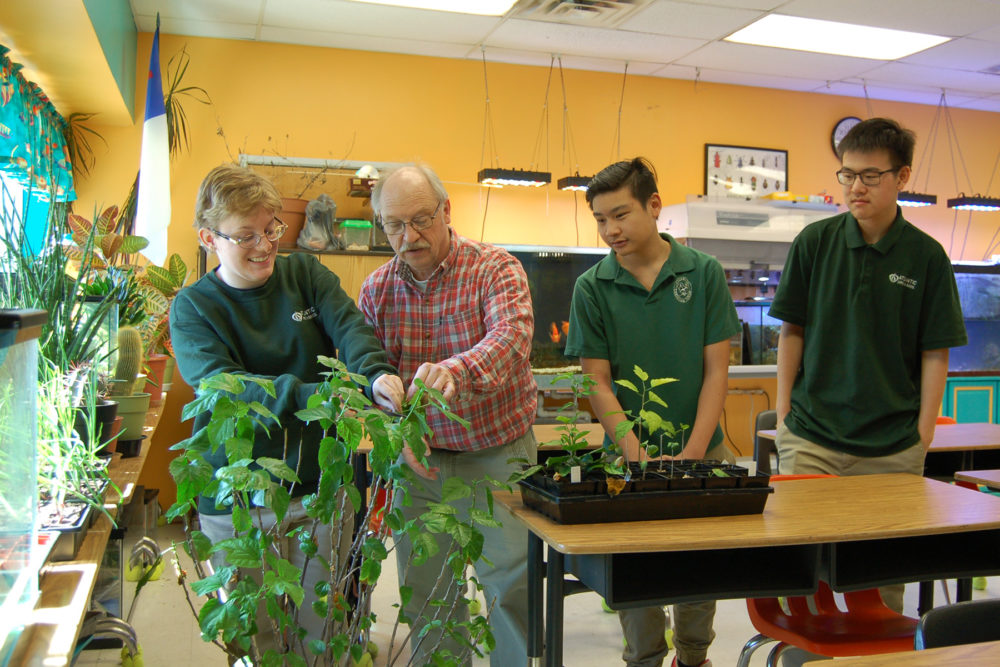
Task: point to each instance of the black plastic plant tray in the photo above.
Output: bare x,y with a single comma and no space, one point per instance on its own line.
644,506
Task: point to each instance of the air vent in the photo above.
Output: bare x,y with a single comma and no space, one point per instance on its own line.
597,13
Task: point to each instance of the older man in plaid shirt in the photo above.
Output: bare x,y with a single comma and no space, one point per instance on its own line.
457,314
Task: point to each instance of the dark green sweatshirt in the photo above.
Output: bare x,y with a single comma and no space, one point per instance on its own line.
274,331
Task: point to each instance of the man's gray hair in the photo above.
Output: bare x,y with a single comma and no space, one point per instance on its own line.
432,179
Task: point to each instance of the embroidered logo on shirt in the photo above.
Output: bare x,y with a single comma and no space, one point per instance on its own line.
307,314
682,289
908,283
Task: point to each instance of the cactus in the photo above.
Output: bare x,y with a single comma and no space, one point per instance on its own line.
129,360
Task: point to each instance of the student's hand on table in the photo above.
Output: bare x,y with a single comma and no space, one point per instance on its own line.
416,466
436,377
387,390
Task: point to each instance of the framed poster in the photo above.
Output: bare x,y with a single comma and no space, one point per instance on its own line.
744,172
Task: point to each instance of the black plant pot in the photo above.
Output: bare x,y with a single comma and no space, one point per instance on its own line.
104,417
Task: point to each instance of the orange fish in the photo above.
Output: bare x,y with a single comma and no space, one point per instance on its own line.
553,332
565,328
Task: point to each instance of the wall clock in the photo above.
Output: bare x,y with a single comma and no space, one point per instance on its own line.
840,130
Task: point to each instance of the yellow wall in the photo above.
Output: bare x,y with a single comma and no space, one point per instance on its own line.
330,103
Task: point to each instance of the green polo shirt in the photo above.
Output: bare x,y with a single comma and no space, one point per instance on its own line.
868,312
663,330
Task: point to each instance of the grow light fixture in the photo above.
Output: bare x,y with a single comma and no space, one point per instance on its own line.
974,203
915,199
497,178
577,183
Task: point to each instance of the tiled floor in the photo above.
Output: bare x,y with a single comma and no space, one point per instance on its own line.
169,636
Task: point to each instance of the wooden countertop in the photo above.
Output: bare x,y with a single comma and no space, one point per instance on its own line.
965,655
49,637
799,512
988,478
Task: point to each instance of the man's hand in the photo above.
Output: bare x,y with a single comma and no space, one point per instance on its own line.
436,377
416,466
387,390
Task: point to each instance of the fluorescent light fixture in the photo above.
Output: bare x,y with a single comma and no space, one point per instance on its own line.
498,178
481,7
577,183
841,39
915,199
976,203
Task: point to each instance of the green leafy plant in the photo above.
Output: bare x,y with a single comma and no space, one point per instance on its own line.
649,421
259,566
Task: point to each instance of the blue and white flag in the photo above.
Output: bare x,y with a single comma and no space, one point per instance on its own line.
153,202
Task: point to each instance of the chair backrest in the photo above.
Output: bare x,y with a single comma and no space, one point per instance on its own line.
762,447
960,623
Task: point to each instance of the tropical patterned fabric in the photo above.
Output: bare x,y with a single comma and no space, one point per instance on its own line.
32,148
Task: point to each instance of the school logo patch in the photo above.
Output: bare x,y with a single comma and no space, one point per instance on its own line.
902,281
307,314
682,289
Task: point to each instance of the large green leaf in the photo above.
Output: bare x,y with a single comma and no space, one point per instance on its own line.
240,551
191,473
278,468
213,582
454,488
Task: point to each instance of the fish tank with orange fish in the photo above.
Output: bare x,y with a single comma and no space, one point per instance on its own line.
979,292
552,272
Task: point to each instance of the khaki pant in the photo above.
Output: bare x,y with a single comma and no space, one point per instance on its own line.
644,628
219,527
798,456
505,580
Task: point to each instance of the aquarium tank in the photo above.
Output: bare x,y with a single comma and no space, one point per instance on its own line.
19,330
979,292
552,272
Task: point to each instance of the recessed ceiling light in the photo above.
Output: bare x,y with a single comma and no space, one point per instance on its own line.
842,39
481,7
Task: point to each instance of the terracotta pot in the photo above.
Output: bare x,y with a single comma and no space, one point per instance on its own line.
116,428
293,214
156,377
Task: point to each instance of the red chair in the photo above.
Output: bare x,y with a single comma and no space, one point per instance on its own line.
867,627
946,420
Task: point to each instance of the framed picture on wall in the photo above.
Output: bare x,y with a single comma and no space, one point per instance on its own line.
744,172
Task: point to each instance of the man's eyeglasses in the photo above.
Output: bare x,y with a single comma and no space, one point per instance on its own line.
870,177
251,241
417,222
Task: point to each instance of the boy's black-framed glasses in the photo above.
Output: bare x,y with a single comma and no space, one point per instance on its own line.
869,177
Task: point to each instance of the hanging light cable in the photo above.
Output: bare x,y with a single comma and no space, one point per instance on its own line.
494,176
576,182
616,142
912,197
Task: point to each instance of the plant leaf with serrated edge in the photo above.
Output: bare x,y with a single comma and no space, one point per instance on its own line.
621,428
641,374
278,468
660,381
656,399
240,551
627,385
453,489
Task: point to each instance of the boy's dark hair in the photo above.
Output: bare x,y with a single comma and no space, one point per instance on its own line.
880,133
638,174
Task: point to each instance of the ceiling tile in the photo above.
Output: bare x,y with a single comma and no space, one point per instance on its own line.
516,57
582,41
952,80
340,40
378,20
202,28
963,54
761,5
216,11
687,20
879,91
776,62
952,18
982,104
736,78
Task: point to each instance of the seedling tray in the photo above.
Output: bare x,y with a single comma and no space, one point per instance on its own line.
644,505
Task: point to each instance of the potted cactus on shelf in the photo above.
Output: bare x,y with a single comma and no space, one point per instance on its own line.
132,402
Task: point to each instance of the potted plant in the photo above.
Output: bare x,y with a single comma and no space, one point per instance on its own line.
657,487
259,565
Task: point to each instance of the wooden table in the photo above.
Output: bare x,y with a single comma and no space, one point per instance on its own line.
966,655
50,635
988,478
835,529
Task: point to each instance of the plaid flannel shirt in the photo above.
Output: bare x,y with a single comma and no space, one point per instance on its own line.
476,319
